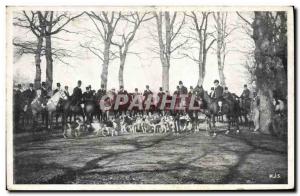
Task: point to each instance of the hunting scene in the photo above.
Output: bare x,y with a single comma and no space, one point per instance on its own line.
149,96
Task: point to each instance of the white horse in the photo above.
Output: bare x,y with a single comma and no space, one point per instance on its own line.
52,104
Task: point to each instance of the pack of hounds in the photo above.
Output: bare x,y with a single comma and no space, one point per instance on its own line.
124,124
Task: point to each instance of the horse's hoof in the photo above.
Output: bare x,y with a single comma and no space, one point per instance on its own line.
227,132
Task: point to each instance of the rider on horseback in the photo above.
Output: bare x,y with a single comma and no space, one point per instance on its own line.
227,95
57,88
218,94
87,95
77,94
66,90
245,96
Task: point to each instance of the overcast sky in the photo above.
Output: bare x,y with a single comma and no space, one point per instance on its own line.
139,70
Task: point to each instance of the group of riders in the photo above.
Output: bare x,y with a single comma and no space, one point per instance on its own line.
213,103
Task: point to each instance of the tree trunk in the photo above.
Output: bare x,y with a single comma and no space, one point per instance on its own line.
38,71
104,73
165,77
266,110
222,76
219,49
201,74
49,62
264,76
121,70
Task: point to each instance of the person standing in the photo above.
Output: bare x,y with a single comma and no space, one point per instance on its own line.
17,100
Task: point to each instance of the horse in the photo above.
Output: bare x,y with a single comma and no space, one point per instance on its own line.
90,109
105,106
245,106
229,109
54,106
72,108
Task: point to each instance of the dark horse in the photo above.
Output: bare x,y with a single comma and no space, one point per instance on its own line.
230,108
72,108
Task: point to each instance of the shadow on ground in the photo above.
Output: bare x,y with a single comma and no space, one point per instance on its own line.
190,158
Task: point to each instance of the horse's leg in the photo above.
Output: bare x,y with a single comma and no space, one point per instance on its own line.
237,124
214,120
56,118
228,124
208,125
74,116
46,116
49,124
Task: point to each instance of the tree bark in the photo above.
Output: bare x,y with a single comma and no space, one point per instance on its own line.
38,71
201,74
121,70
164,48
165,77
104,73
266,109
49,62
220,42
265,80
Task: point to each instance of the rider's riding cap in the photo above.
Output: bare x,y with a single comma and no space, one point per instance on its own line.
245,85
180,82
226,88
79,82
58,84
160,88
216,81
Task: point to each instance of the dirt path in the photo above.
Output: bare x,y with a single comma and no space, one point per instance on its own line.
147,158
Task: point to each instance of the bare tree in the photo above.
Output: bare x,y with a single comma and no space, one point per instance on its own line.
203,40
34,22
43,25
55,23
105,24
223,31
133,20
166,40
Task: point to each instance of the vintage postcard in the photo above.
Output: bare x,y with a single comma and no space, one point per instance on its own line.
150,98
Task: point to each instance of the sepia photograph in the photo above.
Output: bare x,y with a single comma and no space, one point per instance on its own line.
150,98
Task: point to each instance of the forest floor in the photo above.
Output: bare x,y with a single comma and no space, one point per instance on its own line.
188,158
